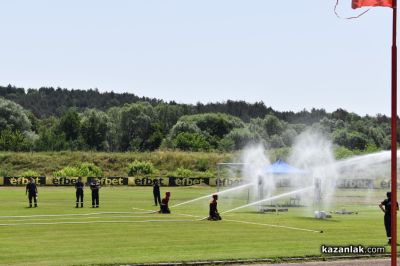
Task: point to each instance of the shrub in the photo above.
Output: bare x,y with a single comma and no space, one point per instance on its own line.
84,169
191,142
4,172
141,167
90,169
342,152
67,171
29,173
202,165
183,172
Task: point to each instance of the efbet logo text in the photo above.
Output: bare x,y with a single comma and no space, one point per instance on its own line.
352,249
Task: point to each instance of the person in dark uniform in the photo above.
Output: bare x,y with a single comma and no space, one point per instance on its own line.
95,187
164,203
213,214
156,192
387,218
31,190
79,192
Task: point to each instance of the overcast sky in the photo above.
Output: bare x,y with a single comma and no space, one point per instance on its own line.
291,55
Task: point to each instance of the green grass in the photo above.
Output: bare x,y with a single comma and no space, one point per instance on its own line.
112,164
183,240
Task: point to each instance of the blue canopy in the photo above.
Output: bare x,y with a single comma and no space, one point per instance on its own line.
281,167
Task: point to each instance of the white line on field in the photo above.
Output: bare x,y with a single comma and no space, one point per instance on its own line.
148,211
253,223
245,222
99,222
190,215
70,214
74,218
273,225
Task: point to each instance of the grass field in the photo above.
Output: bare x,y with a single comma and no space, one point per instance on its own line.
116,233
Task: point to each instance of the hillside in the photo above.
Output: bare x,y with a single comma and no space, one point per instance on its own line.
51,119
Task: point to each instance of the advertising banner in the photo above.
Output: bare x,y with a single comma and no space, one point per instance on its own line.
343,183
188,181
110,181
170,181
226,182
148,181
63,181
22,181
355,183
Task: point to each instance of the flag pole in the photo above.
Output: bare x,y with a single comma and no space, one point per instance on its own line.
394,141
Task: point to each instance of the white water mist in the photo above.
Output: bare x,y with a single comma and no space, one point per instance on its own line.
255,162
313,153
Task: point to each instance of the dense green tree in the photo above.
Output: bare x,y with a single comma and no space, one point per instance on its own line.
215,124
191,142
94,129
60,119
50,138
351,140
13,117
14,141
136,125
184,126
168,115
155,137
288,136
241,137
273,125
276,141
70,124
114,133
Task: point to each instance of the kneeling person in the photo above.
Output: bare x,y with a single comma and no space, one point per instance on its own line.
214,215
164,203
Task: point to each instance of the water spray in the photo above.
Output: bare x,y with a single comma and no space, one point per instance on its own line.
218,193
270,198
317,193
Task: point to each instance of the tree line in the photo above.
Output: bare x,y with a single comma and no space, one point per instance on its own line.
51,119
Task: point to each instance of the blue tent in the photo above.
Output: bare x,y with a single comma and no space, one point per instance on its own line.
281,167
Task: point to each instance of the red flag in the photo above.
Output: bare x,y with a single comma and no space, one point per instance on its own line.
362,3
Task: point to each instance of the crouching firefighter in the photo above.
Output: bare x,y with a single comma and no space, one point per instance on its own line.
79,192
31,190
214,215
164,203
387,203
95,187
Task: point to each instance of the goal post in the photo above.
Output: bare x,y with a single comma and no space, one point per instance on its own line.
230,175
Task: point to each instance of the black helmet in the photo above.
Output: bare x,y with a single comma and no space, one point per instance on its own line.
389,194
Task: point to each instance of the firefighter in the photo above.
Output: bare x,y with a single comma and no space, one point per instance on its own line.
387,218
164,203
31,190
95,187
213,214
79,192
156,192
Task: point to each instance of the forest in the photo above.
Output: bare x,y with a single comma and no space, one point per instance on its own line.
56,119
